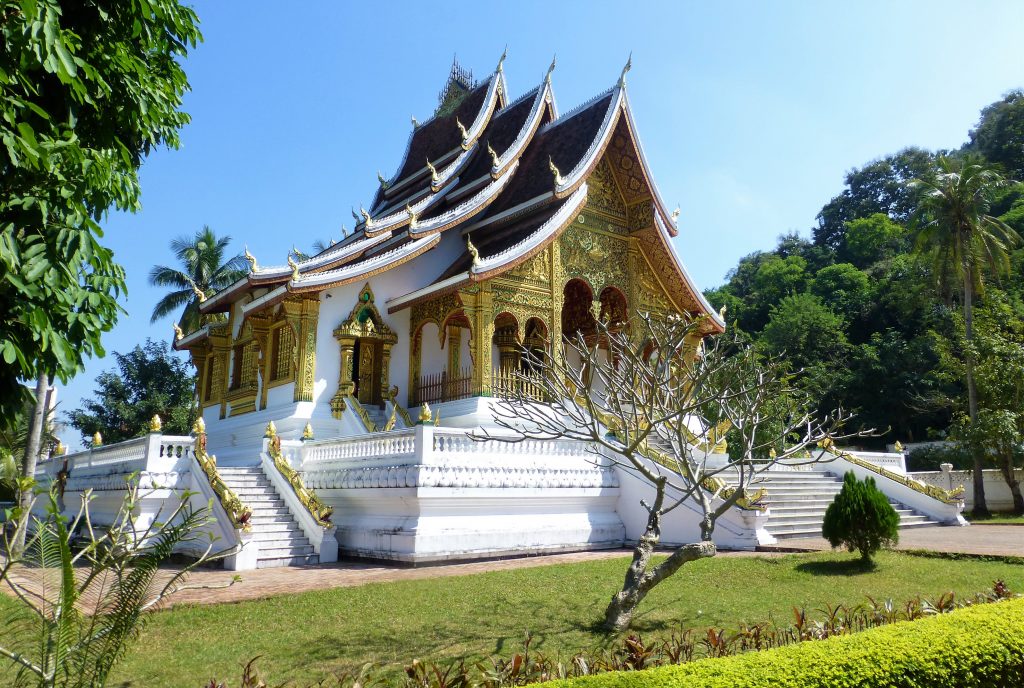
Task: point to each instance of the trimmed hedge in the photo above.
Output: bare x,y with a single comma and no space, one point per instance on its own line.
977,647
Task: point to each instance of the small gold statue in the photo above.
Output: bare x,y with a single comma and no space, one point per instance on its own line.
307,432
271,430
253,266
178,334
473,252
294,266
97,439
424,413
155,424
199,427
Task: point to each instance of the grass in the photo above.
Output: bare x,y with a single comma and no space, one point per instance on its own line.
307,636
998,518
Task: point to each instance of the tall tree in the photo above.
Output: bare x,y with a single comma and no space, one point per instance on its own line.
999,135
88,89
149,381
963,241
204,272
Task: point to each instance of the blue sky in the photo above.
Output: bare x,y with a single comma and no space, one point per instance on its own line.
750,113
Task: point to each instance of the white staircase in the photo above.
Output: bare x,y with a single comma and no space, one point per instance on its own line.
281,542
376,414
797,501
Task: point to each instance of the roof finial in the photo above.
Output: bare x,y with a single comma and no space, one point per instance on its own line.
178,334
253,267
332,242
366,216
412,216
493,154
415,123
355,215
551,68
383,182
473,252
344,232
501,61
554,171
629,65
462,130
199,293
434,179
294,266
675,215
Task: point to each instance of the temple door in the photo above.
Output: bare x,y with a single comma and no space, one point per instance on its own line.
368,381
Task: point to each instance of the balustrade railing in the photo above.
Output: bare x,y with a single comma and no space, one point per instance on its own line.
397,443
131,455
516,384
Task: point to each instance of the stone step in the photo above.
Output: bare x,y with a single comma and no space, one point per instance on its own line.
273,543
282,526
276,562
778,518
795,483
246,482
255,492
264,501
286,551
273,514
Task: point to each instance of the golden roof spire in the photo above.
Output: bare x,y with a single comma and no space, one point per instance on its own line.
434,179
462,130
253,266
383,182
355,216
551,68
501,61
554,171
199,293
366,216
294,266
493,154
178,334
412,216
415,123
629,65
675,214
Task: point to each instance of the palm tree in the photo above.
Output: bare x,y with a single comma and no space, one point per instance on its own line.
205,270
963,240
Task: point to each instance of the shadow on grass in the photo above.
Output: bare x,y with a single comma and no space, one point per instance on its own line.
843,567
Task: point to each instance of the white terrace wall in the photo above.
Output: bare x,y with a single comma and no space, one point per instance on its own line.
997,492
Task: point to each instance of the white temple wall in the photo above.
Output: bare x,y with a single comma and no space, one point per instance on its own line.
432,357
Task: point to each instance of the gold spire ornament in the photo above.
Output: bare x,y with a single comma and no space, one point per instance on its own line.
383,182
355,215
253,266
307,432
294,266
97,439
465,134
199,293
344,232
199,427
271,431
178,334
898,447
675,215
155,424
721,312
494,156
366,216
412,216
551,68
554,171
501,60
473,251
424,413
629,66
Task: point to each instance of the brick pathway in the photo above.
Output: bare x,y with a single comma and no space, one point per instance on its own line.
974,539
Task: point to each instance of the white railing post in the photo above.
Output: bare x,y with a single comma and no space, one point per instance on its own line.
424,443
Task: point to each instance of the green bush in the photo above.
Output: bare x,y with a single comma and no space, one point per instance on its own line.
931,457
977,647
861,518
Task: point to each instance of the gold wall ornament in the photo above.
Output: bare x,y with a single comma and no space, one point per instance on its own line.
302,314
155,424
473,252
199,293
320,512
307,432
424,413
253,266
295,268
554,171
178,334
271,430
97,439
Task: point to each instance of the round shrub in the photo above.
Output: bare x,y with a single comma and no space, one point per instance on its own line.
861,518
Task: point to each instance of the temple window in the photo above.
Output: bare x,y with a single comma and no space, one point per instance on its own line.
236,367
209,370
282,348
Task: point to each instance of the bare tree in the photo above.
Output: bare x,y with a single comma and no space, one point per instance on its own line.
656,402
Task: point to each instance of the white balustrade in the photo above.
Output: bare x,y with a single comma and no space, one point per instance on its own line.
152,452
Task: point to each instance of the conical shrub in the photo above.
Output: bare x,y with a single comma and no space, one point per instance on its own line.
861,518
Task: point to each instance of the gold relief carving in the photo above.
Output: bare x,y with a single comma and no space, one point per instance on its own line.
302,315
537,269
641,216
603,193
364,325
598,258
659,262
436,311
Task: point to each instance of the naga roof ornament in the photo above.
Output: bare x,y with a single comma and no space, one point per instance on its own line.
675,214
355,216
501,60
383,182
494,156
412,216
465,134
253,265
178,334
294,266
366,216
554,171
415,122
551,68
626,68
199,293
473,252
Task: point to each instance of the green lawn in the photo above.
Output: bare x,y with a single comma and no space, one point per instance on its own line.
997,519
307,636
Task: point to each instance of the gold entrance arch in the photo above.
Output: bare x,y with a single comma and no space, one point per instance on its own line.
365,342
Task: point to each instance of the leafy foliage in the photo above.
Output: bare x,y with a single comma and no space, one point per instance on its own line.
1000,131
205,270
860,518
150,380
88,90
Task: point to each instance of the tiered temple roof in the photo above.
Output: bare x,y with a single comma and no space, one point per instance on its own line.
509,176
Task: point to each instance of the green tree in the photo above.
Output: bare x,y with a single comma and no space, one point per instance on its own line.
805,331
999,135
204,271
870,239
963,240
88,90
150,380
844,288
861,518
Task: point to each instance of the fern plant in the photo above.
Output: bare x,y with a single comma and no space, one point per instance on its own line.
85,589
861,518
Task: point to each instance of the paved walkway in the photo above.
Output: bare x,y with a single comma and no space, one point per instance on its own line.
974,539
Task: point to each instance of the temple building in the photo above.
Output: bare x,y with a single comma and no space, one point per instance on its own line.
507,227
